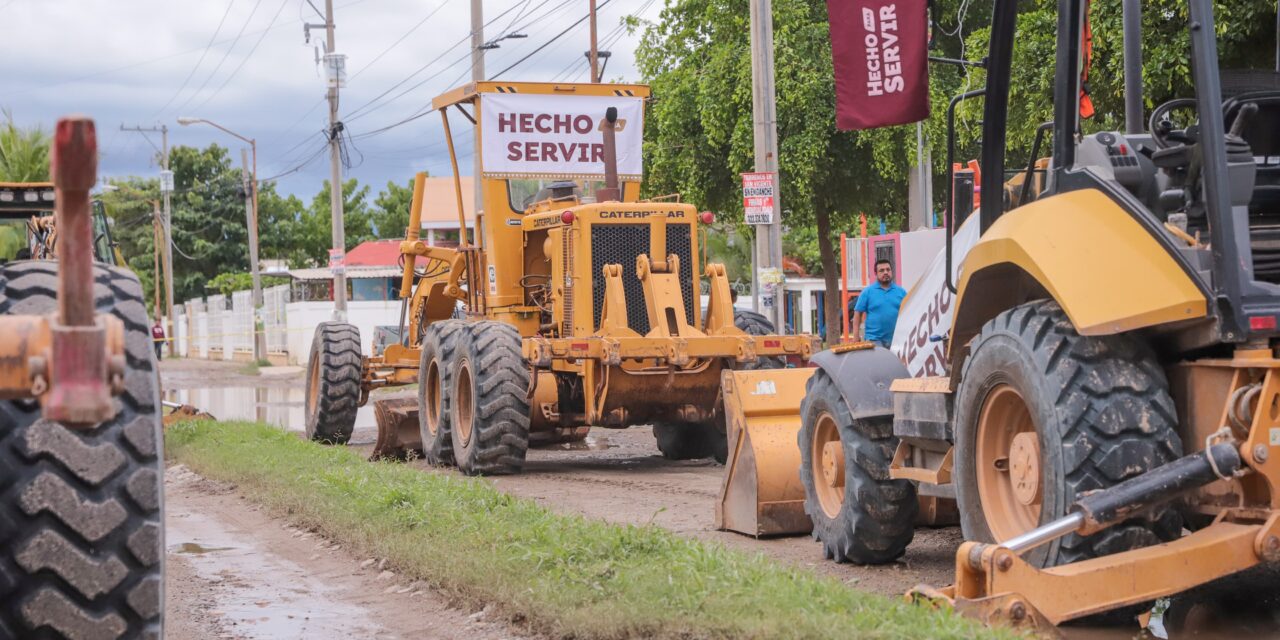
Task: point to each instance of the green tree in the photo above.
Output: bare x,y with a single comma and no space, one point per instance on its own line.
24,152
390,214
356,217
210,234
699,130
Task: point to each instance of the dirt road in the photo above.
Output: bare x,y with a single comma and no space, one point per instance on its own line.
616,475
234,572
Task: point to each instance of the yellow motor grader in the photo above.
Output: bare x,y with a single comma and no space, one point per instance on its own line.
1111,393
573,304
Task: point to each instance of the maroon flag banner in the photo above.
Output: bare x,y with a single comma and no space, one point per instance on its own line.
880,51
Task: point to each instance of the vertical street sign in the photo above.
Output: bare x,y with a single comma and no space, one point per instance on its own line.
757,197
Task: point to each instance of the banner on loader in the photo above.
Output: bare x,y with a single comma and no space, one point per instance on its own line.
880,52
548,136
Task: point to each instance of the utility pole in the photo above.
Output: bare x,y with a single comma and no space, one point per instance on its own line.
251,220
764,115
335,73
595,48
166,188
477,75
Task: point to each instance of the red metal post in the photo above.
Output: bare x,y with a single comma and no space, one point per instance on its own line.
78,371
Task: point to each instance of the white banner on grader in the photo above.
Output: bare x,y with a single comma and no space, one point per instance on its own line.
529,135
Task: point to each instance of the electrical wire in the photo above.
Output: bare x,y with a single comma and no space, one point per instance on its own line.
401,38
225,55
548,43
203,54
245,60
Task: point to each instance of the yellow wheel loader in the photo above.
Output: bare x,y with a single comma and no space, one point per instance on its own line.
572,305
1111,391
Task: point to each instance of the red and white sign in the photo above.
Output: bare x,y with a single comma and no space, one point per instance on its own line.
337,261
879,49
530,135
757,197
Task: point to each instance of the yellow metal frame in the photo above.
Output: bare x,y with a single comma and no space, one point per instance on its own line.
996,586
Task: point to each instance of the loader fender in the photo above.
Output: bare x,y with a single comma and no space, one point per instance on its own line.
1107,271
863,376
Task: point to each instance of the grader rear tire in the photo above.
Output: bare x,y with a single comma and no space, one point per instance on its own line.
81,513
687,441
490,406
1043,414
333,383
859,514
439,348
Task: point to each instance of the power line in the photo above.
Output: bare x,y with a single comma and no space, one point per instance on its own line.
246,58
97,75
203,54
225,55
393,45
548,43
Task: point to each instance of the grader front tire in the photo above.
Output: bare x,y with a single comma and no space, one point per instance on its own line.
1044,414
333,383
439,348
859,514
81,524
489,407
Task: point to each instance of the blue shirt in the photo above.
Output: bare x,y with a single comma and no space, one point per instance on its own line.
881,306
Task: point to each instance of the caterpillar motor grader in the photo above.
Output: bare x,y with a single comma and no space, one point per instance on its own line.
1110,397
580,304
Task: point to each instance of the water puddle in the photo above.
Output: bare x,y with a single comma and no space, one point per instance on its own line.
590,443
281,406
192,547
261,594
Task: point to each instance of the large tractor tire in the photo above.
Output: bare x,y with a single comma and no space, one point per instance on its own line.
756,324
1043,414
859,514
81,515
439,348
333,383
710,439
489,407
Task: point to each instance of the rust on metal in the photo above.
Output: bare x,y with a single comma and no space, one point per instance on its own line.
398,433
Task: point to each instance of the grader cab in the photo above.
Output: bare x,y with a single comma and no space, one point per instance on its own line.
573,304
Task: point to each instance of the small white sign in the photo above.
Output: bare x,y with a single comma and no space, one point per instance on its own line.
493,280
337,261
765,388
758,196
166,182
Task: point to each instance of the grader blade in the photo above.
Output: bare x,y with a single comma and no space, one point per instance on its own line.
398,434
761,494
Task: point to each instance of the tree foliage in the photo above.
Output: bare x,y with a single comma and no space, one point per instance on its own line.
24,152
210,225
696,57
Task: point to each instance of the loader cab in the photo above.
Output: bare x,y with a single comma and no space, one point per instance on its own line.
1205,189
27,229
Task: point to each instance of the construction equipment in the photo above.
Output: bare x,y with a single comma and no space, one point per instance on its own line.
80,529
1111,371
580,304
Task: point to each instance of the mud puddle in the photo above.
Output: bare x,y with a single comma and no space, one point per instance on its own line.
284,407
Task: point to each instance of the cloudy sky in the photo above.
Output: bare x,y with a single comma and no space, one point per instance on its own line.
244,64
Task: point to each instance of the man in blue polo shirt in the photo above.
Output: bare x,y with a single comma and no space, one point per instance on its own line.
878,304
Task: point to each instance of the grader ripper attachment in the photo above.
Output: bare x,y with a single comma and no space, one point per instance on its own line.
573,304
1109,396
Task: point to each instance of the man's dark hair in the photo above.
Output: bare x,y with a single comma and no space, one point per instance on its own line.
883,261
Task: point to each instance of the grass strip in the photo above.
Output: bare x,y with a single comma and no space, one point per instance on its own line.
562,575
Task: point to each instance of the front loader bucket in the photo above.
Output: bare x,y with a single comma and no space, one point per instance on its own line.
398,433
762,494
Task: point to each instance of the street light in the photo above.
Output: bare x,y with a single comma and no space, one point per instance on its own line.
259,342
